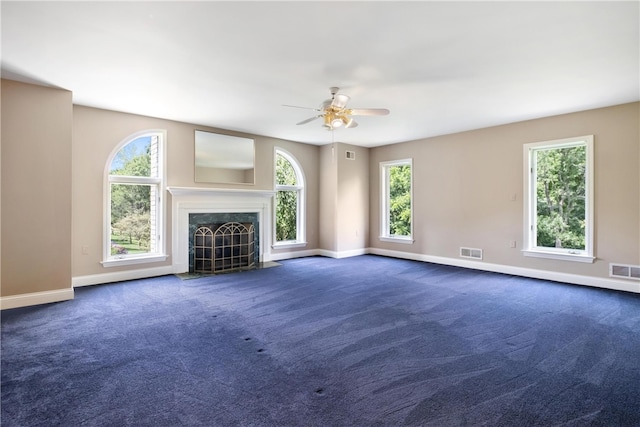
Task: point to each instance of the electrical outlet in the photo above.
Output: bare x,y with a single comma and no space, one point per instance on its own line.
512,244
85,250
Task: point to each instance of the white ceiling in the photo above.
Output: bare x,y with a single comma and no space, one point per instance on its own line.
440,67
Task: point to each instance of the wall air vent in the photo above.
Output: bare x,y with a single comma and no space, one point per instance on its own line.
471,253
624,271
351,155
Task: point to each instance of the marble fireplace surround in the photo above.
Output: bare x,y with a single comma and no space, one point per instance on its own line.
188,200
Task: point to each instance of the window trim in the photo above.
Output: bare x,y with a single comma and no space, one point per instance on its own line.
301,240
384,202
160,254
529,211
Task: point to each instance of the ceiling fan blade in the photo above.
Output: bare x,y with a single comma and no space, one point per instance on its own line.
340,101
308,120
304,108
351,124
368,111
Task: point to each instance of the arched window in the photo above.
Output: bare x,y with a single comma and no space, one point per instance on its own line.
290,201
134,201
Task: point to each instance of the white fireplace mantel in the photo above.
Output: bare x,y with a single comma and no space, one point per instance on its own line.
230,192
187,200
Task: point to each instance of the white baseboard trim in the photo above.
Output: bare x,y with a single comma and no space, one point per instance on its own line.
598,282
342,254
327,253
45,297
352,252
35,298
119,276
294,254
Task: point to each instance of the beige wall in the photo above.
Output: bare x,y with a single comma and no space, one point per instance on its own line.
352,210
467,188
328,197
36,189
96,133
344,199
464,185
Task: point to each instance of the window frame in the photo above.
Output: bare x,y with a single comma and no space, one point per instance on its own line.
158,181
385,202
530,248
301,201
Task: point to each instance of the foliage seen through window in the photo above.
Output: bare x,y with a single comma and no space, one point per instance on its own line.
560,197
131,202
400,200
287,200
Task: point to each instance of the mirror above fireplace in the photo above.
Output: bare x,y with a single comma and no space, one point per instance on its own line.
224,159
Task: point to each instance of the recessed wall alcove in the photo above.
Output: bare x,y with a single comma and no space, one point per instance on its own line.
217,205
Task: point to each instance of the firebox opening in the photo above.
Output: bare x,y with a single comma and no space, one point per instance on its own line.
224,247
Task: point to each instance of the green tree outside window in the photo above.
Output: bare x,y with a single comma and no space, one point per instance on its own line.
131,203
560,197
400,200
287,195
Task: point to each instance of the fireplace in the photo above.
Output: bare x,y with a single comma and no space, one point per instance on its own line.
224,247
223,241
203,207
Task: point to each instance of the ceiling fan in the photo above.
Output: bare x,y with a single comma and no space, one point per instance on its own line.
335,113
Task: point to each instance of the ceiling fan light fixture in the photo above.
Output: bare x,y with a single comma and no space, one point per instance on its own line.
334,113
327,121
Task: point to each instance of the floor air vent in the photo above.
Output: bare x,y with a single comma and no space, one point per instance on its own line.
624,271
471,253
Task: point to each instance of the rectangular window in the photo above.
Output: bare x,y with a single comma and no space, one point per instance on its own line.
396,196
559,202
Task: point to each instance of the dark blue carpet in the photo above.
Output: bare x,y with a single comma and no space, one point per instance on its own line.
363,341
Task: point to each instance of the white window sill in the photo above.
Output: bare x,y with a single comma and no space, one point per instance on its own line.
563,256
116,262
285,245
397,239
